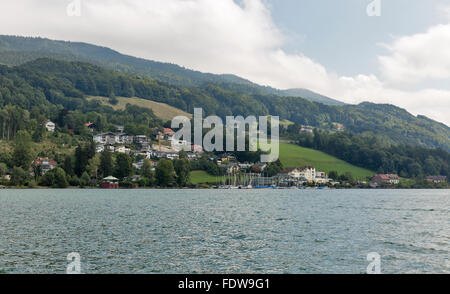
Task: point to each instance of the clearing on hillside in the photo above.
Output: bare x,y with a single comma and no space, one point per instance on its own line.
161,110
296,156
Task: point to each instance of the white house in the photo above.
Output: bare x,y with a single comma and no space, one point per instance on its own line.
321,178
105,138
309,173
50,126
100,148
122,149
306,173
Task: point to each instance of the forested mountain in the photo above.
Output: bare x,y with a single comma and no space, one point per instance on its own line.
18,50
48,82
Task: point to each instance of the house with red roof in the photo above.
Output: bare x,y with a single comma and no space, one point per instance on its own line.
385,179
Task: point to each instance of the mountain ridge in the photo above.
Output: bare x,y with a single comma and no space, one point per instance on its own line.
112,59
64,83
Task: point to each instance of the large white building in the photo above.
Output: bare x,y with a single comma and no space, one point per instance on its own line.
304,174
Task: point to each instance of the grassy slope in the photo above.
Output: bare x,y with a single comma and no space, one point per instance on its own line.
296,156
161,110
200,177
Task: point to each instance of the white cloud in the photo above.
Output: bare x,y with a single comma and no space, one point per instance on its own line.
220,36
418,57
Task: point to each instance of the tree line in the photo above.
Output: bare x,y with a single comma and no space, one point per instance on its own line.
368,152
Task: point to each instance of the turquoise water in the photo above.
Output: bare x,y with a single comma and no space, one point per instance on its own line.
224,231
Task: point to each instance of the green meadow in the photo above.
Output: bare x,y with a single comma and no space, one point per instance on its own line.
296,156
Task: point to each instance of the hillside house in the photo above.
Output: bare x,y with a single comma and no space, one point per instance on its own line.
141,139
123,138
122,149
99,148
105,138
385,179
437,179
45,164
197,149
168,133
90,126
306,129
50,126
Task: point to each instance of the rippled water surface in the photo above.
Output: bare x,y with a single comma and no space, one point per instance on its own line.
224,231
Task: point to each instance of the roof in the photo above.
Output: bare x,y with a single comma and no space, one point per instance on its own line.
110,178
387,177
40,161
437,178
307,167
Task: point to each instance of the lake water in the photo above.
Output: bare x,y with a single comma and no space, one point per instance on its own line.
225,231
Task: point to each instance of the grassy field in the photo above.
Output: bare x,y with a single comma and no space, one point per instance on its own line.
296,156
202,177
161,110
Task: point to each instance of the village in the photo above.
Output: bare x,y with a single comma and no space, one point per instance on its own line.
234,174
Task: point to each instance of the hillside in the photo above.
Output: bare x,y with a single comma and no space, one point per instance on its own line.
161,110
52,82
18,50
296,156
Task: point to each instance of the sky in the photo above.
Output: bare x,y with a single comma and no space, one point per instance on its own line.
382,51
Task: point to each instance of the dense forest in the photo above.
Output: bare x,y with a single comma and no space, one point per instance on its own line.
51,83
16,50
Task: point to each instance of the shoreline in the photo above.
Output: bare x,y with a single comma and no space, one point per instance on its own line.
199,188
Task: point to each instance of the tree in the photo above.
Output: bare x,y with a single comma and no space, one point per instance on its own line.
83,153
19,176
183,154
68,165
124,166
146,170
273,168
183,171
85,179
81,160
38,134
106,164
333,175
55,178
165,173
22,150
3,169
93,166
